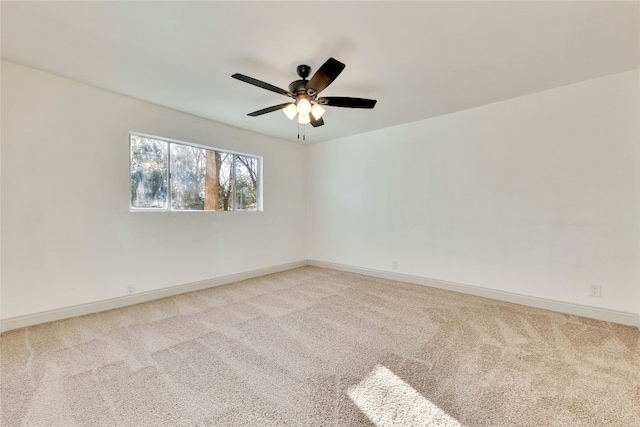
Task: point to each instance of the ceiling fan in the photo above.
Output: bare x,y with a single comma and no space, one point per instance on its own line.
307,105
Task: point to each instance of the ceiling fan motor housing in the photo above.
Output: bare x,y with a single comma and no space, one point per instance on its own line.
298,87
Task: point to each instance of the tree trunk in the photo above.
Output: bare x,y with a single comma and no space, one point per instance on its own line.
226,199
211,181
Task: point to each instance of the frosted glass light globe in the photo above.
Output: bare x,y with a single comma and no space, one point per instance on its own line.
317,111
290,111
303,119
304,106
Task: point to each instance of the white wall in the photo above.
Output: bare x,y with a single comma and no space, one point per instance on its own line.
537,195
68,236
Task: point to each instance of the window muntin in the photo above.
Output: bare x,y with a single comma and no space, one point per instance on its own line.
176,176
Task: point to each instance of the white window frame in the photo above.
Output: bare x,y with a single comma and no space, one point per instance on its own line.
170,141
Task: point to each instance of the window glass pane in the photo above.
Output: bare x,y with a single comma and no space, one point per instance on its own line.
149,162
217,181
179,176
200,179
187,177
246,183
225,193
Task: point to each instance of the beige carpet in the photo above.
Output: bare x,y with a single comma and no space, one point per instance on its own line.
324,348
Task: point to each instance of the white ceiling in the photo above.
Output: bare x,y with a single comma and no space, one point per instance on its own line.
418,59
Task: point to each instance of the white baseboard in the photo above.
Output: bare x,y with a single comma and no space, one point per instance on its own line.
95,307
632,319
621,317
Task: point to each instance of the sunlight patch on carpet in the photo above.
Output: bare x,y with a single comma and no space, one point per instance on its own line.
389,401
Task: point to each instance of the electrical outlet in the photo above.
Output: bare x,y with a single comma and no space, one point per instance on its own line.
394,264
596,291
130,289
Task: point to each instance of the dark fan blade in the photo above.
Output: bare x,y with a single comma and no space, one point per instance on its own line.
315,123
262,84
269,109
343,101
325,75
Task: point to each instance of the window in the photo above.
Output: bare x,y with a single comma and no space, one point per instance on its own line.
171,175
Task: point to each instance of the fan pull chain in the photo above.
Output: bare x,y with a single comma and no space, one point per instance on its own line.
304,131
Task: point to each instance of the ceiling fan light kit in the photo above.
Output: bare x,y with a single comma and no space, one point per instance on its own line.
303,108
304,92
